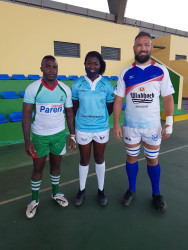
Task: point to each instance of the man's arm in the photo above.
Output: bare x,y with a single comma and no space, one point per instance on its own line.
75,106
168,104
71,125
26,126
118,103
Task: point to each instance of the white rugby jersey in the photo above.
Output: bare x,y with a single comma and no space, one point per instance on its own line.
142,86
48,116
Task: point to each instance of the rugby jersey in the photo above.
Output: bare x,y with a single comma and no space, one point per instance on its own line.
142,86
92,114
48,113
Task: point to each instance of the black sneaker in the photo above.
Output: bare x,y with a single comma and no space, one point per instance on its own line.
127,198
102,200
159,202
79,197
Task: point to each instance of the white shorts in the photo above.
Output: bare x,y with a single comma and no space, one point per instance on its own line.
84,138
150,136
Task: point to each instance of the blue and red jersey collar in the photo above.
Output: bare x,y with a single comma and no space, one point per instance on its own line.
152,63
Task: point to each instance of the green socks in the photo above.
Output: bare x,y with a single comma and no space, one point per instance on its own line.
35,186
55,183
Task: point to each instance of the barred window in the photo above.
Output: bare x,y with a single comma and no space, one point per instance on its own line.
65,49
180,57
109,53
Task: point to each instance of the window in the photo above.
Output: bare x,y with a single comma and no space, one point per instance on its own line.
109,53
180,57
65,49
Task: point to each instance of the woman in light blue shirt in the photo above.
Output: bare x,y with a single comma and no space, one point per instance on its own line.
93,99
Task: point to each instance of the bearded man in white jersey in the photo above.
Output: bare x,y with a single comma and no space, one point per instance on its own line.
142,83
44,104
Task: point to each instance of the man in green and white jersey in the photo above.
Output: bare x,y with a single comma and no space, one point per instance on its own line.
44,104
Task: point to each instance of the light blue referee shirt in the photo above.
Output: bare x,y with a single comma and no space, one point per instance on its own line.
92,115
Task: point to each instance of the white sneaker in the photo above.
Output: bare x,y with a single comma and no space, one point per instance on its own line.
59,197
31,209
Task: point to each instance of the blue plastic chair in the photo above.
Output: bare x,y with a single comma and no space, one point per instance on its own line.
62,78
34,77
73,77
124,106
106,77
15,116
3,119
4,77
113,78
22,93
19,77
9,95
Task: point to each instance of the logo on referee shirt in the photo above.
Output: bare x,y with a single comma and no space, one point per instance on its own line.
142,98
102,137
61,99
141,89
84,139
155,137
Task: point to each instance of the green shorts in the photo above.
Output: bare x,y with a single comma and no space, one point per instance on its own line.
54,144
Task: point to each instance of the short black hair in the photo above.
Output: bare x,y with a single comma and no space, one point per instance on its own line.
100,58
143,33
48,57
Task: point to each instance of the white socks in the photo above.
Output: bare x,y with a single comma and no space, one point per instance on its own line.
100,171
83,172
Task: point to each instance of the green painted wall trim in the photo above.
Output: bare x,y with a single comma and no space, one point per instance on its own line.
175,82
158,47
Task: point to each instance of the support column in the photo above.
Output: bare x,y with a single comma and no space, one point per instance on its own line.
117,7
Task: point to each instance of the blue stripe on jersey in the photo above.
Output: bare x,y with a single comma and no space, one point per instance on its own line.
137,75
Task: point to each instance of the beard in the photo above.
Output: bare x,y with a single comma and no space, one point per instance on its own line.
142,59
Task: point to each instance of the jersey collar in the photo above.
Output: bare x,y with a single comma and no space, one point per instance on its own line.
46,86
93,84
152,63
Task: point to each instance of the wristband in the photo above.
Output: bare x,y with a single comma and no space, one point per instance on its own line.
73,138
169,120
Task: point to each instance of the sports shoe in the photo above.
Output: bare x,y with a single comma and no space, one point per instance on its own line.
61,200
127,198
79,197
159,202
31,209
102,200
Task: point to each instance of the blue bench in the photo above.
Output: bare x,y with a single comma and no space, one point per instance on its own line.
73,77
34,77
106,77
3,119
19,77
113,78
62,78
22,93
9,95
15,116
124,106
4,77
